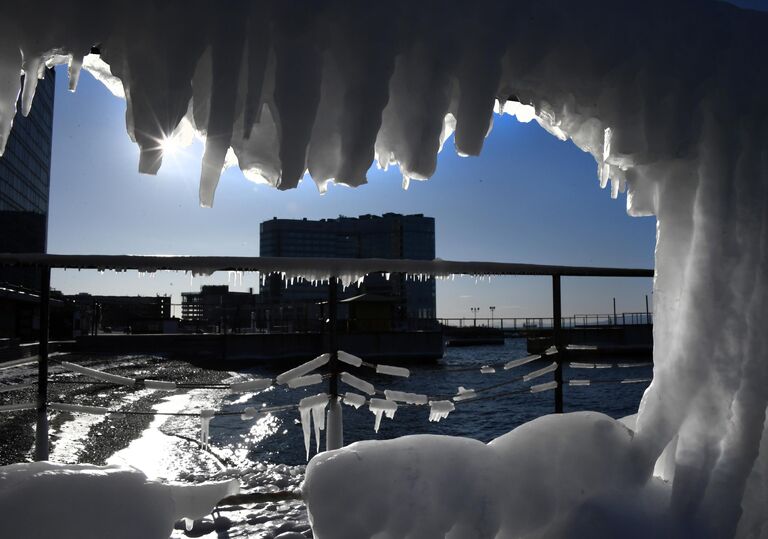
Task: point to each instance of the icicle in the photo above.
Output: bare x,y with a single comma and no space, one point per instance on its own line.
381,407
393,371
318,417
353,399
349,359
303,381
301,370
309,407
93,373
541,372
487,369
205,427
439,410
402,396
157,384
579,382
251,386
357,383
464,394
522,361
543,387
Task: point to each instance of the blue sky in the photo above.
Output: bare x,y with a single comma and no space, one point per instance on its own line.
528,198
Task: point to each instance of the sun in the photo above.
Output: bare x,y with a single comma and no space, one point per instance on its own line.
170,146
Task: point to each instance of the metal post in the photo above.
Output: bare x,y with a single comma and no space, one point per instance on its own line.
647,311
557,339
41,432
334,435
614,311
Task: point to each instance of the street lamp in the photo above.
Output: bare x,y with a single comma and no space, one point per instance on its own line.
492,308
475,310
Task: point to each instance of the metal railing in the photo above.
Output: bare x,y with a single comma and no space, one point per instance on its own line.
319,268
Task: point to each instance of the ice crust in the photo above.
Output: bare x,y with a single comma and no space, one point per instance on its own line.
669,98
46,500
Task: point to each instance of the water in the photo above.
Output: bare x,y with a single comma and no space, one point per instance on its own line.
278,437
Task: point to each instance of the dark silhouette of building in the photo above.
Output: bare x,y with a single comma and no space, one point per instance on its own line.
215,308
25,172
129,314
409,303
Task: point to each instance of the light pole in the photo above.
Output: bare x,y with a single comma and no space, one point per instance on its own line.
474,310
492,308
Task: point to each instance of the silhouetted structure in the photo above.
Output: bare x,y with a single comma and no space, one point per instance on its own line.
25,171
405,302
215,307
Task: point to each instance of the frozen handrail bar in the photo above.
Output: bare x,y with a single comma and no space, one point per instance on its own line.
325,266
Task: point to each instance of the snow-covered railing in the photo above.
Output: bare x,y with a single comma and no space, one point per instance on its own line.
336,271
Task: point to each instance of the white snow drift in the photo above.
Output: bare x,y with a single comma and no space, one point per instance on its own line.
43,500
669,97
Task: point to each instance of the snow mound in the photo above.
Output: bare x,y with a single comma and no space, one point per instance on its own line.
551,476
44,500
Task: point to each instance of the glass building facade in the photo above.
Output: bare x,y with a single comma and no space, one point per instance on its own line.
25,175
391,235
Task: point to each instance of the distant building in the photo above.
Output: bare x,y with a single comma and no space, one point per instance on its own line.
25,173
124,314
215,308
391,236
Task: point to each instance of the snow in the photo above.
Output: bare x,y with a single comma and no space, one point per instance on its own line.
517,483
669,98
38,501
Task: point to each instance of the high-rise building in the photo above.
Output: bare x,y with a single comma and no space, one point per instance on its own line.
391,236
25,174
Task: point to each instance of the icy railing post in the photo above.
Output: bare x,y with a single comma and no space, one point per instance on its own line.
41,432
557,341
334,434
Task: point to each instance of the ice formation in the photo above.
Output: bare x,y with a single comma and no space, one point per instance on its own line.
349,359
358,383
391,370
303,381
45,500
540,372
304,368
381,407
353,399
312,409
205,427
98,375
669,98
519,362
439,410
404,396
